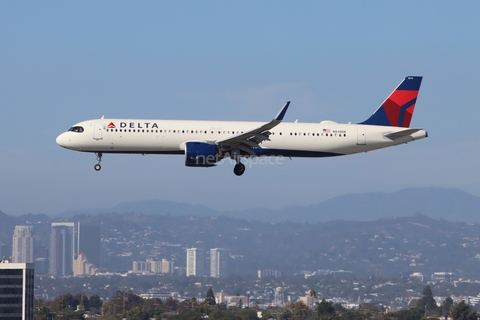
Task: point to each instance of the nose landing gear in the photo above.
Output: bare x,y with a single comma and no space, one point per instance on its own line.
97,167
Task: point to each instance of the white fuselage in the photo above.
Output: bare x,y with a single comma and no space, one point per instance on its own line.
287,139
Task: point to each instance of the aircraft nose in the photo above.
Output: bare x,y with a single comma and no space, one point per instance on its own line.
63,140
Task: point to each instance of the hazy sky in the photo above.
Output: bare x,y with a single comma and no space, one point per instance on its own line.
62,62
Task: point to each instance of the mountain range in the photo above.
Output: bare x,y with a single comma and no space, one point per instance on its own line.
437,203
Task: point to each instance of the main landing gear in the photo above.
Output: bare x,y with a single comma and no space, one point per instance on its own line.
97,167
239,168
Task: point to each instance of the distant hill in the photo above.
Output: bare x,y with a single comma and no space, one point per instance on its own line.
437,203
148,207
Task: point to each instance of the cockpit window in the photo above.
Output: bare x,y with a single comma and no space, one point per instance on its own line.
76,129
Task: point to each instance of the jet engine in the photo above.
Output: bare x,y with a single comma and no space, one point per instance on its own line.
200,154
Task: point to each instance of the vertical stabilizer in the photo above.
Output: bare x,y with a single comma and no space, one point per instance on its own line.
397,110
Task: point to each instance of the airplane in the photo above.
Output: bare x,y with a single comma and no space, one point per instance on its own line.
205,143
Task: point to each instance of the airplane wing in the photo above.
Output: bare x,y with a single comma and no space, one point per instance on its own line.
400,134
252,139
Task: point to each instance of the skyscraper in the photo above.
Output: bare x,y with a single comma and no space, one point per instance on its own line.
16,290
89,243
61,250
22,249
218,263
194,262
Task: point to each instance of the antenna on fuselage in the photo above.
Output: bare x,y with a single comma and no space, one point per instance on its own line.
102,117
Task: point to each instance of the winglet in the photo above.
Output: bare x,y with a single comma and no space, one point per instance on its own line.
281,114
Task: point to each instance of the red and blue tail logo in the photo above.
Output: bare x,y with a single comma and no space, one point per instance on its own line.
397,110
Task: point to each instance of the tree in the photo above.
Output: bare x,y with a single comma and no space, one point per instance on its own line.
325,309
83,301
70,314
297,310
463,311
137,313
410,314
240,304
313,295
193,302
95,302
267,314
247,314
370,310
42,313
427,302
446,307
354,315
210,297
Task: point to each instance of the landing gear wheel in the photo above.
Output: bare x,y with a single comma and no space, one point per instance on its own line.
97,167
239,169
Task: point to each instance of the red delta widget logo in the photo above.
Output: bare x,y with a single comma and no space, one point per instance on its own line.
134,125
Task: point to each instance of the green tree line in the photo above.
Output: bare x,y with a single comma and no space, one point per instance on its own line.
133,307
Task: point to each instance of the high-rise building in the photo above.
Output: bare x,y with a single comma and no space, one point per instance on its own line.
89,243
194,262
152,266
167,266
218,263
61,250
70,239
22,249
81,266
16,290
268,273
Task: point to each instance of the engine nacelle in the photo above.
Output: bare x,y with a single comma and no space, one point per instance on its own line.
200,154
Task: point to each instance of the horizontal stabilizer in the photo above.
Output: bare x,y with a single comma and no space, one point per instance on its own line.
400,134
